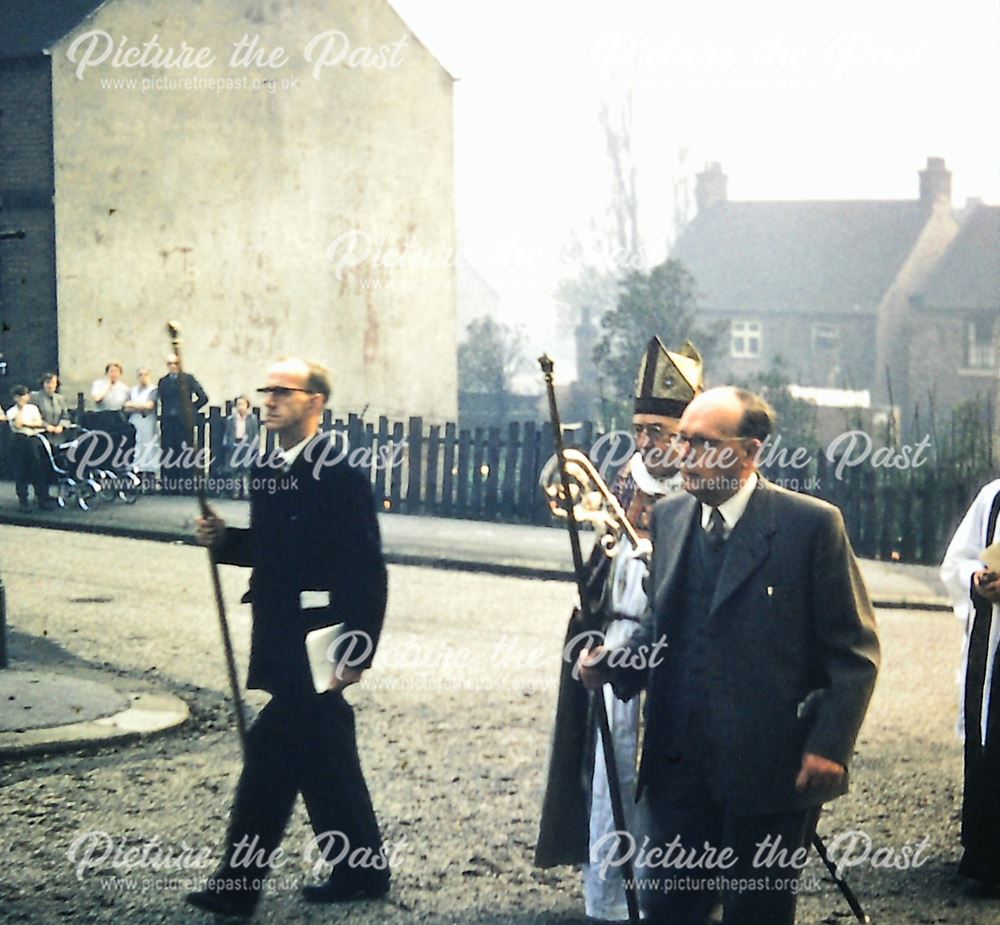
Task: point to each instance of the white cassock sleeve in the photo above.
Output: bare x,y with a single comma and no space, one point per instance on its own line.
960,562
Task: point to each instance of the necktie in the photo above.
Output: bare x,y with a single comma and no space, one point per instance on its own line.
715,532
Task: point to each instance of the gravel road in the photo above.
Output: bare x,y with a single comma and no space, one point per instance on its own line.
453,727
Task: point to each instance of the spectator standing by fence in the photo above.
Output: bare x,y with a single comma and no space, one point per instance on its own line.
239,446
141,408
109,396
30,461
110,393
53,408
176,440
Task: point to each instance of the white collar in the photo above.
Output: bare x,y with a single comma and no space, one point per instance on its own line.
648,483
292,453
732,509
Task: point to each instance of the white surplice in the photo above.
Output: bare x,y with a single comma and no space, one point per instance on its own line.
960,561
604,896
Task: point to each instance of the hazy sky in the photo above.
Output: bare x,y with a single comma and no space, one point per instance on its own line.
796,100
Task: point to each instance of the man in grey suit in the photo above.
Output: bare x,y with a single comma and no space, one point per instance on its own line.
755,702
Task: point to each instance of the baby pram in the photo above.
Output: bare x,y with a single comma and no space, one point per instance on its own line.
93,466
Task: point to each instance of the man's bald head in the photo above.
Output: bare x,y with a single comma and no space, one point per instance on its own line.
723,429
296,391
738,412
312,376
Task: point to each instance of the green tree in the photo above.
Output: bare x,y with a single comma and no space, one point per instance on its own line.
660,302
488,359
796,418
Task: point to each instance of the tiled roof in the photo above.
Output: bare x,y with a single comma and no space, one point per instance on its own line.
968,275
767,258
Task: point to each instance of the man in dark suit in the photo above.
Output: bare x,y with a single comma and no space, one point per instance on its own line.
754,705
176,440
313,544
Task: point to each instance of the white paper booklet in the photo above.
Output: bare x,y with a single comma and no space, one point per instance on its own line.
318,643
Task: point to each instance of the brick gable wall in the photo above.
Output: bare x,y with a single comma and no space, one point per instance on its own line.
29,336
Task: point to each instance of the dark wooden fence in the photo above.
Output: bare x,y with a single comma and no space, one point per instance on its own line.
906,515
492,474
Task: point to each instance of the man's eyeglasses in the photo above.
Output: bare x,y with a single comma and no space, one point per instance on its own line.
700,444
653,431
282,391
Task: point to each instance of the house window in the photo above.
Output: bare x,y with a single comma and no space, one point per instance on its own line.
825,338
744,339
979,349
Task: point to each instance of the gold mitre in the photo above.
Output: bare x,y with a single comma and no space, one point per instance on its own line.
668,380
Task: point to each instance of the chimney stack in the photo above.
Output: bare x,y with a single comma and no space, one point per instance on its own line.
935,182
710,187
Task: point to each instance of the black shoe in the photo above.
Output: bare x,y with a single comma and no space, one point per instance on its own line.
48,504
235,904
24,507
341,890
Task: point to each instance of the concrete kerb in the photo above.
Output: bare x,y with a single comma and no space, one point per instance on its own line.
95,526
147,714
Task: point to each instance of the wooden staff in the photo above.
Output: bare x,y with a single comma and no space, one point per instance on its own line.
842,884
600,708
187,409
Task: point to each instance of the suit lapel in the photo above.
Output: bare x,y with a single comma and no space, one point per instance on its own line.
748,545
671,539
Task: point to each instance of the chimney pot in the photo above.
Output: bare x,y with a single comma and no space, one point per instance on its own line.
710,187
935,182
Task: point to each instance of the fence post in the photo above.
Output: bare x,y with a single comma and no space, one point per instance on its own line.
527,484
378,450
492,472
508,496
449,470
870,507
216,433
546,447
430,499
462,478
395,471
478,441
368,442
414,453
907,533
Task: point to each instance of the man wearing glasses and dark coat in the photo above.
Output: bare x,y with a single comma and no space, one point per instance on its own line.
314,547
176,441
771,655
